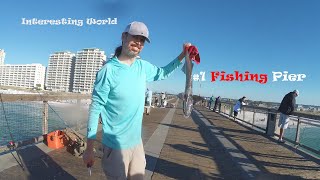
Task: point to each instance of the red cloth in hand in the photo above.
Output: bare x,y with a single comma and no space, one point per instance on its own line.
194,54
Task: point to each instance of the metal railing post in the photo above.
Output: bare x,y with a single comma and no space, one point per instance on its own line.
297,139
45,118
243,115
231,111
254,113
271,123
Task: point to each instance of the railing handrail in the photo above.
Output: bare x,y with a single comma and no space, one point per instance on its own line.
42,97
298,114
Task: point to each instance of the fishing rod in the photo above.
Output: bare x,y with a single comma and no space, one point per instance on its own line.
60,118
11,145
55,112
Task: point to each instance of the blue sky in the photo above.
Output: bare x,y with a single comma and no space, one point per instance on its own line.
259,36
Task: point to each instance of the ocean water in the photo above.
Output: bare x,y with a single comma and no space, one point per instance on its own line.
25,119
309,134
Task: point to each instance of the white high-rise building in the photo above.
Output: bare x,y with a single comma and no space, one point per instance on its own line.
22,75
88,63
2,56
60,71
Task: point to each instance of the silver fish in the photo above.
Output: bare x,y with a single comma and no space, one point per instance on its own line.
188,101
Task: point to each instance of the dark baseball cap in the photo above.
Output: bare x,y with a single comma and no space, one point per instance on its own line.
138,28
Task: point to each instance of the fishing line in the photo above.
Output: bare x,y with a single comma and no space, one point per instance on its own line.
11,145
62,118
302,132
5,117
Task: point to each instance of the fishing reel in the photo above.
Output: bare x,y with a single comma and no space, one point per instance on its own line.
79,146
76,144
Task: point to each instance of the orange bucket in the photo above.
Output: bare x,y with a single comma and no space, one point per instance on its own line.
55,139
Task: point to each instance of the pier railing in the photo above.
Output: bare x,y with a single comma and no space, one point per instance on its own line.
303,130
27,117
30,116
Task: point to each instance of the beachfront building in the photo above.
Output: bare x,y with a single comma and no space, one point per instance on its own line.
22,75
88,63
60,71
2,56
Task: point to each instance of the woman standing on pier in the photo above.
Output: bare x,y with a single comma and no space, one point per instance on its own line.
237,107
122,113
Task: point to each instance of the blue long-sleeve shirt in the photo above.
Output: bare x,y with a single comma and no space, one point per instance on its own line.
118,95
